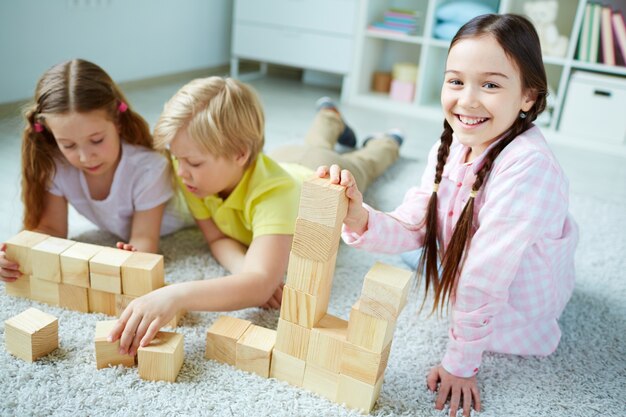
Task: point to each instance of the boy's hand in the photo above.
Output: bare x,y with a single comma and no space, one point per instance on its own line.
357,216
126,246
454,387
9,271
142,319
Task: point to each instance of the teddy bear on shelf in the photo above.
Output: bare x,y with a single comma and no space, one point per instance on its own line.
543,15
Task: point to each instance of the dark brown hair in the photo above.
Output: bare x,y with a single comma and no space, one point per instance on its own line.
519,40
71,86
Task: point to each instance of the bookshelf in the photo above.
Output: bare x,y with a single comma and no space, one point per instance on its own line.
377,51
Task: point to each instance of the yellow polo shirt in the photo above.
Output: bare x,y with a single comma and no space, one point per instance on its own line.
265,202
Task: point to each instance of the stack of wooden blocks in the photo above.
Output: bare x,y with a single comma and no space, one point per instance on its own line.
81,276
343,361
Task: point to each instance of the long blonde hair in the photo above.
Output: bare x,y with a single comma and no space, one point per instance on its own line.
71,86
222,115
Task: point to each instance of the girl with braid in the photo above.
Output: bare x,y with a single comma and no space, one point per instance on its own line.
491,214
83,145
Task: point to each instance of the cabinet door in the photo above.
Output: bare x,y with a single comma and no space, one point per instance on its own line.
292,47
334,16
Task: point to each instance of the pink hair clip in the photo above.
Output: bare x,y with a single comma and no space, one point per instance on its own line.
38,127
122,107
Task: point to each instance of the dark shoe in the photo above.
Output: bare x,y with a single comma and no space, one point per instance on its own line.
395,134
347,137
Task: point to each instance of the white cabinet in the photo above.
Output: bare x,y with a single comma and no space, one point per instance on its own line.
309,34
378,51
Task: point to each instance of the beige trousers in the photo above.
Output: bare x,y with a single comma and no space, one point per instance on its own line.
366,163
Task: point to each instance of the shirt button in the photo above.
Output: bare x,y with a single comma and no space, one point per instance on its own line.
485,322
450,213
459,184
475,370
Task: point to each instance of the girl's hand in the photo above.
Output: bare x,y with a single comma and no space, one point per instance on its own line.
142,319
9,271
126,246
455,387
357,217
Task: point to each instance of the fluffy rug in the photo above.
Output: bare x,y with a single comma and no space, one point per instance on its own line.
585,377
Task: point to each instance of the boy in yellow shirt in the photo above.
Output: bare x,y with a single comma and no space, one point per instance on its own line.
244,202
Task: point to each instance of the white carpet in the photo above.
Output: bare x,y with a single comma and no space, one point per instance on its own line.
585,377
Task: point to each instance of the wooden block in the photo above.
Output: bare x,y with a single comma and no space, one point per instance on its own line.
31,334
46,259
162,359
176,319
362,364
357,394
44,291
311,277
221,339
75,264
287,368
302,308
315,241
321,381
121,302
326,343
292,339
105,269
385,290
369,332
19,249
101,302
322,202
142,273
254,350
107,353
73,297
19,288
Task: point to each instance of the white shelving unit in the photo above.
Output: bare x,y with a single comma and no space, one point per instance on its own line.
379,51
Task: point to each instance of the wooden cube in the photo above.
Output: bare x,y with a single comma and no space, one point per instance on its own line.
287,368
142,273
31,334
326,343
369,332
302,308
221,339
322,202
321,381
121,302
105,269
358,394
107,353
44,291
19,288
75,264
385,290
162,359
311,277
73,297
315,241
254,350
101,302
292,339
46,260
18,249
362,364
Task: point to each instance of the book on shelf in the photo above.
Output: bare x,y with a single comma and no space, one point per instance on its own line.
606,37
594,32
619,29
583,39
398,21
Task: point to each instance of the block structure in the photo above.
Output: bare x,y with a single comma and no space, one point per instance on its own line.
75,264
341,360
46,258
142,273
107,353
31,334
162,359
105,270
254,350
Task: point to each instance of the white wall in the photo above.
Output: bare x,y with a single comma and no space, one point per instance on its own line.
130,39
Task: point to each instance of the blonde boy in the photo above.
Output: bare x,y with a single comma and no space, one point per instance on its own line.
244,202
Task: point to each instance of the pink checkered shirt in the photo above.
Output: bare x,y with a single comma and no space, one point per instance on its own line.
519,271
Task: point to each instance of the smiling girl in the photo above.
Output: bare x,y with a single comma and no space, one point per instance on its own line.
85,146
492,210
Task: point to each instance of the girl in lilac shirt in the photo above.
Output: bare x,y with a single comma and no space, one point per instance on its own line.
492,208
